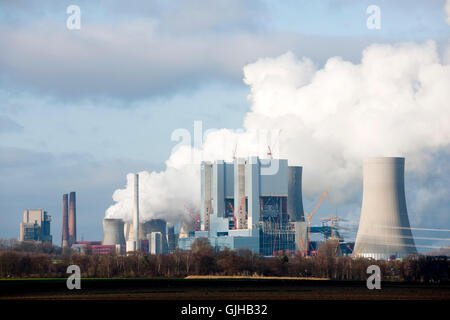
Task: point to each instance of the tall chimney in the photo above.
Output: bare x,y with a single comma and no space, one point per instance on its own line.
136,212
72,219
65,221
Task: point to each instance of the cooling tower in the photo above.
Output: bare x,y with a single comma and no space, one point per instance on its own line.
384,229
113,232
72,219
65,222
294,200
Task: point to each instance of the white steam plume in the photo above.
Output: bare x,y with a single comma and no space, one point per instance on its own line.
162,195
394,103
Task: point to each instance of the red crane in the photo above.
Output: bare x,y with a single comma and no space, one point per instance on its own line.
196,218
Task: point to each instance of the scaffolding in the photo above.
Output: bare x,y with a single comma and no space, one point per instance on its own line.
275,236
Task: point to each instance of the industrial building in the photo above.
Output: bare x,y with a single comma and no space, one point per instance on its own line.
384,229
251,203
35,226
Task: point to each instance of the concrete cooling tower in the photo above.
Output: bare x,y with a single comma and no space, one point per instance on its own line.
113,231
384,229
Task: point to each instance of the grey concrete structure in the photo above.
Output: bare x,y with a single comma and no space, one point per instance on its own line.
240,208
206,171
113,232
294,200
218,188
155,243
384,229
155,225
252,191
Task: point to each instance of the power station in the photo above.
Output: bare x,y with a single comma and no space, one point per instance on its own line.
255,204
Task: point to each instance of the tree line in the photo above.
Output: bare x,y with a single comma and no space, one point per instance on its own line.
18,260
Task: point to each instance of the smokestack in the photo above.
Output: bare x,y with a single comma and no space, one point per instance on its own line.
65,221
384,229
136,213
72,219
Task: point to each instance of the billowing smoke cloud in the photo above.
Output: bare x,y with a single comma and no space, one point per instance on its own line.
394,103
162,195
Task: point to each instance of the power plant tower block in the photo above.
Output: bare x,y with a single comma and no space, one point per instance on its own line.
384,229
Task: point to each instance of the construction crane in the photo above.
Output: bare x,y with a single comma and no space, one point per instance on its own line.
196,218
359,250
309,217
332,218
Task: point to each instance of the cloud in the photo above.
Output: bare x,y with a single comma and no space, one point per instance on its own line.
11,157
393,103
9,125
447,11
145,50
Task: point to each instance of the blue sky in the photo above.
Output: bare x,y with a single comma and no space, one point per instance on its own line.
81,109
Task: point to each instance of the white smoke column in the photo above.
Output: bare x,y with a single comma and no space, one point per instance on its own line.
394,103
162,195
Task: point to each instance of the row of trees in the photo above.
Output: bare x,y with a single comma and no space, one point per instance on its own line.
204,260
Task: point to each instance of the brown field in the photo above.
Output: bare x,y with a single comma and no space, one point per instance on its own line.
219,288
255,277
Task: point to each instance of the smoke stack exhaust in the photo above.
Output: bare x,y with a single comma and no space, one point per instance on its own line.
136,212
65,221
384,229
72,219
